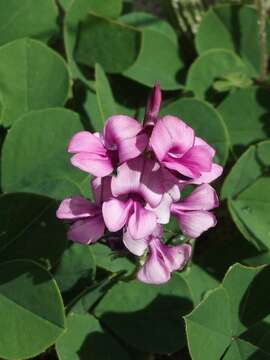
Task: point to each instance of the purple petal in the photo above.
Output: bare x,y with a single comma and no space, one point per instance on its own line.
95,164
163,210
101,189
194,223
132,147
116,213
203,197
87,231
142,222
175,257
76,208
84,141
171,134
208,177
153,106
135,246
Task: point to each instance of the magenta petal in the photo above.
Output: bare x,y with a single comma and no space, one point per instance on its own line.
171,133
163,210
135,246
153,106
175,257
199,141
127,179
132,147
116,213
203,197
194,223
101,189
208,177
142,222
87,231
95,164
84,141
76,208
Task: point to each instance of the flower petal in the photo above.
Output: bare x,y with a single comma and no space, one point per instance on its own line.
153,106
84,141
132,147
175,257
76,208
97,165
135,246
142,222
101,189
209,176
87,231
171,132
203,197
194,223
116,213
163,210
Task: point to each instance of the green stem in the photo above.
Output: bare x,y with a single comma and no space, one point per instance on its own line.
262,13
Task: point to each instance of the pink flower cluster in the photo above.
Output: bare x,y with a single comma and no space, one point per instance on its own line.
140,171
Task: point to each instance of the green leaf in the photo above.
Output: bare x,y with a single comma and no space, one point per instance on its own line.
206,122
29,88
85,339
236,29
245,112
106,104
118,40
21,19
149,21
210,66
76,265
76,13
158,59
109,261
38,161
29,228
147,317
221,325
31,310
247,188
65,4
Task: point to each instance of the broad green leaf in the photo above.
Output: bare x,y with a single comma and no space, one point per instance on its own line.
38,161
41,79
206,122
199,282
106,104
29,228
85,339
246,113
247,188
31,310
220,326
147,317
65,4
210,66
76,265
208,326
158,59
21,19
119,41
146,20
236,29
110,261
76,13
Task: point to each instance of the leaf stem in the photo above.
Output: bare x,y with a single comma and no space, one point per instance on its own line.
262,13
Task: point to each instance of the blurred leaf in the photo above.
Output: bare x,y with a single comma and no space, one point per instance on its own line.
76,265
212,65
76,13
206,122
38,162
85,339
226,315
110,261
106,104
235,28
120,44
246,114
41,79
21,19
31,310
29,228
65,4
230,81
147,317
158,60
149,21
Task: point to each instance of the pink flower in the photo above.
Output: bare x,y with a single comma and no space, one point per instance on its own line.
122,139
192,213
88,224
162,260
176,147
139,187
153,106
